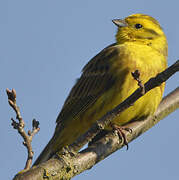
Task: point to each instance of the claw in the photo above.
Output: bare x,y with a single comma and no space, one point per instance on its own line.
128,129
120,130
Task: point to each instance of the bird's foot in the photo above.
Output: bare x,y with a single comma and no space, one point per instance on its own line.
121,133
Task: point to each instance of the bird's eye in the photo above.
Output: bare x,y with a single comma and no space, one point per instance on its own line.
138,26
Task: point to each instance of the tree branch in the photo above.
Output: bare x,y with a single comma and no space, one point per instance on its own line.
68,166
20,127
108,117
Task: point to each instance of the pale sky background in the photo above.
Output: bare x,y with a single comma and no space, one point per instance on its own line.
43,46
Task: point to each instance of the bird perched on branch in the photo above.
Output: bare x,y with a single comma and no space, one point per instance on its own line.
106,81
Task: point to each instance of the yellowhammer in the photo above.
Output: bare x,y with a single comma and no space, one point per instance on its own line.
106,81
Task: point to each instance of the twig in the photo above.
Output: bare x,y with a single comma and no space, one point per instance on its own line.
27,137
66,168
136,76
56,168
108,117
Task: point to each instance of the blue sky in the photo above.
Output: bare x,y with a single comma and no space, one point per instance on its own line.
44,45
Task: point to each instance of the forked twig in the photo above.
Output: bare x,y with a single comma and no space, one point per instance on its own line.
107,118
20,124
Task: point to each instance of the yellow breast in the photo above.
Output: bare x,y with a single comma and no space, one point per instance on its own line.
136,56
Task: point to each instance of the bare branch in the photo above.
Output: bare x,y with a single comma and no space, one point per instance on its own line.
66,166
108,117
20,127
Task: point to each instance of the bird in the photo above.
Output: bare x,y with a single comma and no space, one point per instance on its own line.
106,81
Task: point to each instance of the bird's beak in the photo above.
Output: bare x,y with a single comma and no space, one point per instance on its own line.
120,22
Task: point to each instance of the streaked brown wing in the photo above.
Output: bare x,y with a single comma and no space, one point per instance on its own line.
95,79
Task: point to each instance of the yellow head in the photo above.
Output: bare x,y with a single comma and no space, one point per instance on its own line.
142,29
